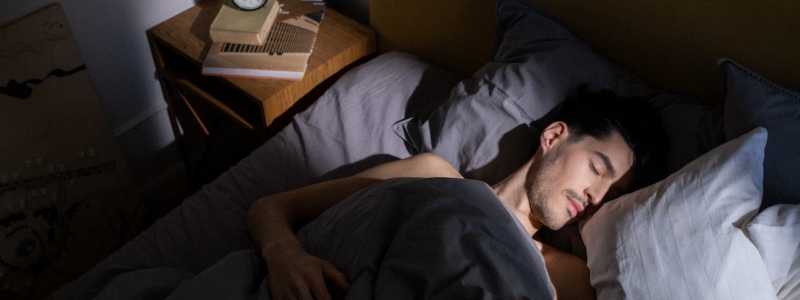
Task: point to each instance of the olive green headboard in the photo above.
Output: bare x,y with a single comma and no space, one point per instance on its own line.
458,34
672,44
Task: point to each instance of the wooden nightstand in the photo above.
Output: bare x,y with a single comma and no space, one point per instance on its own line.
260,106
180,44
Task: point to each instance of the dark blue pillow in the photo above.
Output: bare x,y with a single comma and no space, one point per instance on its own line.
752,101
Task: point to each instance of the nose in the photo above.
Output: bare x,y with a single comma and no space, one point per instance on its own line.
596,193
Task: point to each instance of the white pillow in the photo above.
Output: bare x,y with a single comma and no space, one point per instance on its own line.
681,238
776,233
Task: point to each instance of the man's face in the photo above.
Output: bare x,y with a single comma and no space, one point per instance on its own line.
571,175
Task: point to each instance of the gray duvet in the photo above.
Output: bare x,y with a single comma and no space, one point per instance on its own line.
202,249
404,239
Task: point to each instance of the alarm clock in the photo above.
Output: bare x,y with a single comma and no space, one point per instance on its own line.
249,4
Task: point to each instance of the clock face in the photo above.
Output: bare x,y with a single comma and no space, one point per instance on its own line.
249,4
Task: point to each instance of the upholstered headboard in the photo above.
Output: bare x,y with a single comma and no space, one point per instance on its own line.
457,34
673,44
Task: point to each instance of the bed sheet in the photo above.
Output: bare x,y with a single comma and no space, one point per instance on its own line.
345,131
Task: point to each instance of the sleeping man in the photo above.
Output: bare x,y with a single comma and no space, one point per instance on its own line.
588,155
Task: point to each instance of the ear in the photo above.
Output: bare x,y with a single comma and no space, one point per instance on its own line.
553,134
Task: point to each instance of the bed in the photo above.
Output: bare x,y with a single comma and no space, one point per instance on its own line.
474,82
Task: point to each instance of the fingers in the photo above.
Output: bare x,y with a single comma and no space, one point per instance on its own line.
307,281
315,285
295,289
319,290
335,276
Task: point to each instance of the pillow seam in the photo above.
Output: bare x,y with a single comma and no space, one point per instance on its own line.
761,79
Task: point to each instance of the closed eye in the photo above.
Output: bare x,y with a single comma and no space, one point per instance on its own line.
594,169
607,164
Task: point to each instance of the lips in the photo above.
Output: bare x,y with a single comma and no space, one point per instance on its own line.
575,207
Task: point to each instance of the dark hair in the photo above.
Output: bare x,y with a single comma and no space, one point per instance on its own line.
638,122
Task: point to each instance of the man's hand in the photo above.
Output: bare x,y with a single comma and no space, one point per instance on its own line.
299,275
293,273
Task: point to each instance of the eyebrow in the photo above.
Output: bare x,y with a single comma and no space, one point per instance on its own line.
607,162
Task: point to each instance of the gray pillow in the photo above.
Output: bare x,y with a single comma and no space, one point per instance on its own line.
752,101
490,125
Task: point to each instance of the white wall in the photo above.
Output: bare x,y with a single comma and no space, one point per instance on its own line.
111,37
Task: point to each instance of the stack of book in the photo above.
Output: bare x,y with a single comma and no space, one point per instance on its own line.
274,41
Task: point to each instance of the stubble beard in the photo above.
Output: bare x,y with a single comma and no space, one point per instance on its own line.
539,179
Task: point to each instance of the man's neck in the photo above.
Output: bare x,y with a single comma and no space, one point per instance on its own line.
511,191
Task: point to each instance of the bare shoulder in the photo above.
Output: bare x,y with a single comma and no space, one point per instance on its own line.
433,165
420,165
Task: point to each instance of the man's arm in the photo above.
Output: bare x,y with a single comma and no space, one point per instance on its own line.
568,274
273,219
